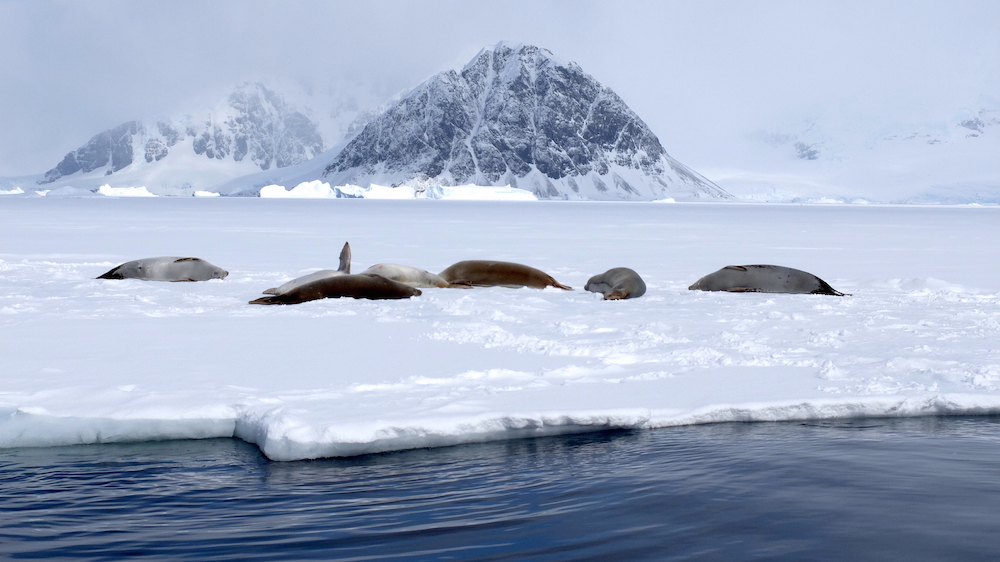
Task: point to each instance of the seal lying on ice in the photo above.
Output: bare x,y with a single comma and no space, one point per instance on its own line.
360,286
486,273
617,283
412,276
345,268
167,268
764,279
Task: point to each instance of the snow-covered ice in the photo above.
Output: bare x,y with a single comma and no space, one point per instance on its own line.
88,361
109,191
317,189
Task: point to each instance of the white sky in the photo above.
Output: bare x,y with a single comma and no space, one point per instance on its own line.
701,73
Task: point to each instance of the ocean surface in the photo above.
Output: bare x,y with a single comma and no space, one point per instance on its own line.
883,489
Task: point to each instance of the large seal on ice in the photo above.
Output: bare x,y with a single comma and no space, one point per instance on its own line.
167,268
764,279
360,286
412,276
345,268
617,283
485,273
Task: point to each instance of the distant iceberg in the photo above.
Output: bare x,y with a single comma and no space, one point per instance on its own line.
307,190
479,193
317,189
109,191
15,191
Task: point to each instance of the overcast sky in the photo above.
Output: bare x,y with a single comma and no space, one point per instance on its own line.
701,73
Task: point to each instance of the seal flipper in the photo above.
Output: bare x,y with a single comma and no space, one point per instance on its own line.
826,289
559,285
345,259
271,291
113,274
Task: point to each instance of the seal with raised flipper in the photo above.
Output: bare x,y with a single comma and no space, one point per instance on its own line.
166,268
617,283
344,269
764,279
358,286
413,276
487,273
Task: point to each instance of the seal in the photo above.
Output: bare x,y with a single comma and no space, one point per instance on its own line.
486,273
166,268
764,279
359,286
617,283
413,276
345,268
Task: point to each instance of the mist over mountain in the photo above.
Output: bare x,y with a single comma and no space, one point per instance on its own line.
252,129
947,158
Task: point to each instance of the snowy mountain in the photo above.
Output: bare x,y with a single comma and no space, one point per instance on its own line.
516,115
252,129
949,159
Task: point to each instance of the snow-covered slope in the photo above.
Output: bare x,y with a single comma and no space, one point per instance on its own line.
953,159
252,129
516,115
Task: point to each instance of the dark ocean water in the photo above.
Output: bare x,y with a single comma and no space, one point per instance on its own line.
917,489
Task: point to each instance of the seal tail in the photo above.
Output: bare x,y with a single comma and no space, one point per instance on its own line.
561,286
345,258
826,289
113,274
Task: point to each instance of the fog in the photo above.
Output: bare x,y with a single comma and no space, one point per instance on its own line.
702,74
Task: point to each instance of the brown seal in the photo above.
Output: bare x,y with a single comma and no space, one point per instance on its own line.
345,267
360,286
486,273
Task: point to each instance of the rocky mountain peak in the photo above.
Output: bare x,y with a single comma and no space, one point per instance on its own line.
517,115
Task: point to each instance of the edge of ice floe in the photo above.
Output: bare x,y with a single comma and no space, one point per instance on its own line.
283,438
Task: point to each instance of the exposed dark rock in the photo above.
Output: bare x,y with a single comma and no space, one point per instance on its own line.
515,111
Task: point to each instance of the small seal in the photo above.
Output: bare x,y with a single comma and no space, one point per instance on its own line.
360,286
485,273
412,276
345,268
617,283
764,279
166,268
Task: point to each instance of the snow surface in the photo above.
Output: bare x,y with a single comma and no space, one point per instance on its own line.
88,361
